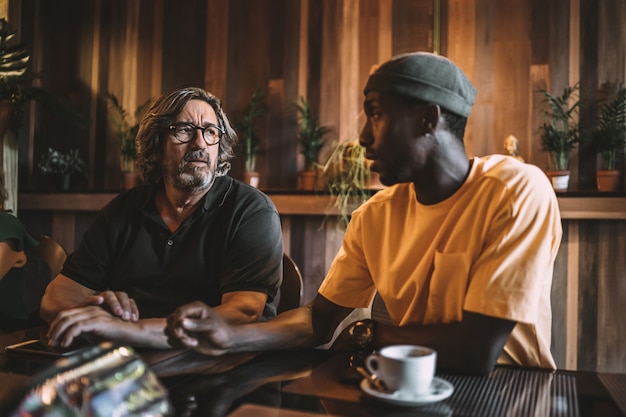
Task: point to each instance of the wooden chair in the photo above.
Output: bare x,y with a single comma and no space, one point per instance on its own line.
290,292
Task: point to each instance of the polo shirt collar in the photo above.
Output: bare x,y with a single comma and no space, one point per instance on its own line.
215,197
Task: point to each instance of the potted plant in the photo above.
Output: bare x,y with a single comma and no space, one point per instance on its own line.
250,141
310,141
126,128
64,167
609,136
561,133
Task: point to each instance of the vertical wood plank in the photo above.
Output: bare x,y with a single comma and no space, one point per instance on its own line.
462,49
413,26
611,277
330,73
281,143
349,94
539,80
94,79
385,31
303,49
511,81
216,23
587,358
130,48
613,22
558,342
573,250
480,132
587,51
156,53
573,76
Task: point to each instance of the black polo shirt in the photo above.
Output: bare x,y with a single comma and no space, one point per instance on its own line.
233,242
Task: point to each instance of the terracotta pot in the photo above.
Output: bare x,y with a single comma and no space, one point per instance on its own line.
307,180
608,180
252,178
559,179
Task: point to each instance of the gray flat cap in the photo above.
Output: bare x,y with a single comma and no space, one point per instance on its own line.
427,77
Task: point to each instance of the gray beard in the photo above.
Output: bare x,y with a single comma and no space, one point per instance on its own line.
193,180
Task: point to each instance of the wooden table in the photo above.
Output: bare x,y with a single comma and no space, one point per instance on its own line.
308,383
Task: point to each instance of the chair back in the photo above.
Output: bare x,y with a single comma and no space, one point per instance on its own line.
290,292
51,252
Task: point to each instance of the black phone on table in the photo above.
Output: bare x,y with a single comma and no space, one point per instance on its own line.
37,351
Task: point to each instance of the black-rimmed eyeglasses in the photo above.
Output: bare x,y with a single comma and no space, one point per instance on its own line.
186,132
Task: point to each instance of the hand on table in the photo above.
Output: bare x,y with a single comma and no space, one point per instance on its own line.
90,319
117,302
198,327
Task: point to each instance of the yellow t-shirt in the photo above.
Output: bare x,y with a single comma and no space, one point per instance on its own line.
488,249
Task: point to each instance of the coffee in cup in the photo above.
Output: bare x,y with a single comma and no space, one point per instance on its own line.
408,369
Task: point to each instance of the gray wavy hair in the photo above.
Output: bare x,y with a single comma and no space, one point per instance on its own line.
161,115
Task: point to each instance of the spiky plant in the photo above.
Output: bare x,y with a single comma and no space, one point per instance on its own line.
310,133
609,137
561,133
126,128
247,128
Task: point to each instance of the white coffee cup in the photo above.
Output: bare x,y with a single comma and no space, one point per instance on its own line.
408,369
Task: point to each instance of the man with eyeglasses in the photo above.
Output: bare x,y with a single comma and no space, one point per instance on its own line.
190,233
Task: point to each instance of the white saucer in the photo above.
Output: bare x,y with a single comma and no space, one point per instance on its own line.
440,389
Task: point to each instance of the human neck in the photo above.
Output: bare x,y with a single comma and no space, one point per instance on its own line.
175,206
446,174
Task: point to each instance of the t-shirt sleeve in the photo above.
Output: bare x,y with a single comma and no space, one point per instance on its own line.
253,260
349,282
513,272
87,265
13,229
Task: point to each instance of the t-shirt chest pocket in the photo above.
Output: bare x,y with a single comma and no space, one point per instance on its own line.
447,288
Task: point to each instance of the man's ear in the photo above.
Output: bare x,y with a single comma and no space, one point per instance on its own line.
432,112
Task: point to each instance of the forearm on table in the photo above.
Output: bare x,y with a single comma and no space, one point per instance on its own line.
471,346
145,333
290,330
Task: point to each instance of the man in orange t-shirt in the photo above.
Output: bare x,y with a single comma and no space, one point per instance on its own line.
460,250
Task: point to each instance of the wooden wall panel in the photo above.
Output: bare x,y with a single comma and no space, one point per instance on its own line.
233,47
461,48
330,74
588,86
351,95
512,45
588,299
413,26
280,137
611,278
479,67
613,20
558,344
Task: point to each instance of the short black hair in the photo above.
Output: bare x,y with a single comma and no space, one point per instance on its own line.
456,124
